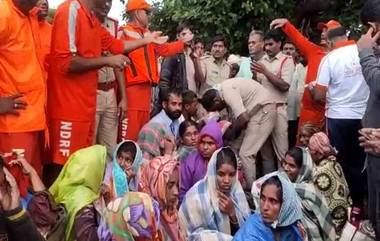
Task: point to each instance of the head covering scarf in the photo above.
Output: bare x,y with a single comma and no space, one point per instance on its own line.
78,184
319,142
199,213
214,130
154,179
328,178
121,184
194,168
316,219
151,139
136,215
290,213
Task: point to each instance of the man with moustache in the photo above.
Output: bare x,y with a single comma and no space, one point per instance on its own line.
214,68
256,52
171,114
275,73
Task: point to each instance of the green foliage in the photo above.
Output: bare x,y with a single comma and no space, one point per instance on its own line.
233,18
236,18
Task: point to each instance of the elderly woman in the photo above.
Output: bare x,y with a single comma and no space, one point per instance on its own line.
328,177
160,179
298,166
215,207
279,216
305,132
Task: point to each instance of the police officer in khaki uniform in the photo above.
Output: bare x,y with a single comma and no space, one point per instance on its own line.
254,116
214,67
275,72
107,108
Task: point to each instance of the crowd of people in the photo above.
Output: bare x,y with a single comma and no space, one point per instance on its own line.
110,132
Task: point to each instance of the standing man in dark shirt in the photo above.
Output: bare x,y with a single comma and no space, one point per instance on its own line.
369,61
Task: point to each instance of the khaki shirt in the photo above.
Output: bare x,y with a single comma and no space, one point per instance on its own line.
106,74
190,73
281,65
215,74
244,95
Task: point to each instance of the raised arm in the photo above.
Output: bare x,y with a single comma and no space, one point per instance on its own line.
305,46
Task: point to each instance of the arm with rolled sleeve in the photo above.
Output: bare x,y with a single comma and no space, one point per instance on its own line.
370,68
65,48
287,71
169,49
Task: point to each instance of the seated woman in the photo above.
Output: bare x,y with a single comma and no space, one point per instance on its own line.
328,177
78,189
279,216
317,220
215,207
189,134
123,174
194,168
151,140
15,223
160,179
306,131
132,217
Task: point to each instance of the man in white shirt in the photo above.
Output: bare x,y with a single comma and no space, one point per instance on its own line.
340,81
296,90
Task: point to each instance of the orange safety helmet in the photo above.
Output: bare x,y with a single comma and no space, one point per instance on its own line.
332,24
137,4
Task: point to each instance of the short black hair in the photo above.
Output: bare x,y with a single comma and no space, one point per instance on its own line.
198,40
127,146
288,41
226,156
208,98
276,34
220,38
182,26
370,12
273,180
297,154
188,97
1,161
172,91
184,125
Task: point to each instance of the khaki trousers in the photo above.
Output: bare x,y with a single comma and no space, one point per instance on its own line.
275,147
106,121
259,128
